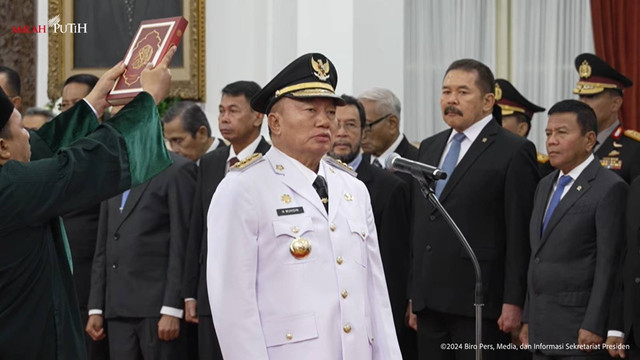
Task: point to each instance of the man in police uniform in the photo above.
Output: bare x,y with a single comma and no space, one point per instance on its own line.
517,112
601,87
294,267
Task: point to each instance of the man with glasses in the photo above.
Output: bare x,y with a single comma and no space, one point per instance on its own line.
390,201
381,135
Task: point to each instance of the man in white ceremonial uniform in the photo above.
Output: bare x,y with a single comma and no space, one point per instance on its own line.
295,269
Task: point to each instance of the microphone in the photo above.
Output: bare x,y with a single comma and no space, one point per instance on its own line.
396,162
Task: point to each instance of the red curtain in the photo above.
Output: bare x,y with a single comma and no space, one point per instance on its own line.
616,32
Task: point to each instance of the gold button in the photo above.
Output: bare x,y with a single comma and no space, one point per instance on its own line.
289,336
347,328
295,229
344,294
332,227
339,260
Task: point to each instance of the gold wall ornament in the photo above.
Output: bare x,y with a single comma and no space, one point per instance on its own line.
300,248
188,81
584,70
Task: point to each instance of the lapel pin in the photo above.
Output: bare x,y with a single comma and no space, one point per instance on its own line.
279,167
285,198
579,187
332,171
348,197
484,140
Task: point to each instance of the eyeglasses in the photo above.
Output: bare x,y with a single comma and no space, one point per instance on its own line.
367,127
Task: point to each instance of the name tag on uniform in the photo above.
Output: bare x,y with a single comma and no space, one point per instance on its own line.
290,211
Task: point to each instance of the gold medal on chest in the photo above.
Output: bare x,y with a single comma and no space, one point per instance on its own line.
300,248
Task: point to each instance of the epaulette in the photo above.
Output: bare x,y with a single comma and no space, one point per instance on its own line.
635,135
542,158
340,165
247,162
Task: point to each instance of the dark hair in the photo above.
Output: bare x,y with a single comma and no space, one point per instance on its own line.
87,79
246,88
350,100
585,115
39,111
192,117
485,81
13,81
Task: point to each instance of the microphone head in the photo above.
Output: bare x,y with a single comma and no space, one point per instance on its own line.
390,160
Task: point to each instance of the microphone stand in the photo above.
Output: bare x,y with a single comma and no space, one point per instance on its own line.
429,194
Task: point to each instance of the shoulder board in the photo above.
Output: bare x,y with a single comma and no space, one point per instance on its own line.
247,162
340,165
542,158
635,135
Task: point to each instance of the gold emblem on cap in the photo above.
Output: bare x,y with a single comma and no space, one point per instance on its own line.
285,198
300,248
321,69
584,70
498,92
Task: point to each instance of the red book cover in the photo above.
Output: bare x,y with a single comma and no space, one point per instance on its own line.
150,43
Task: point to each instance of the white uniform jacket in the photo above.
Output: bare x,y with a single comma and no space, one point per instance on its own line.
266,304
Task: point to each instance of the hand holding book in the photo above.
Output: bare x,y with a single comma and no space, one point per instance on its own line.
157,81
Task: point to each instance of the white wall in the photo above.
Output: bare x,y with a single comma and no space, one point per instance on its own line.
255,39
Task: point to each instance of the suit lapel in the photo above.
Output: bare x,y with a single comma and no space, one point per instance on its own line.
482,143
579,187
215,173
295,180
433,153
132,200
540,206
364,171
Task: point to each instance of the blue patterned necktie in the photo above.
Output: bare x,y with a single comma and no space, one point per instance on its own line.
555,199
450,162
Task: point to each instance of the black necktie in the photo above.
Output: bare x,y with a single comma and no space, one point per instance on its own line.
377,164
320,184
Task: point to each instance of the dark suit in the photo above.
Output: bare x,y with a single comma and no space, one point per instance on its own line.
573,263
622,150
211,171
489,195
82,227
625,311
390,201
138,263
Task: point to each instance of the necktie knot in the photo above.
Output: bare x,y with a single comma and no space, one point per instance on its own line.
564,181
320,184
458,137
